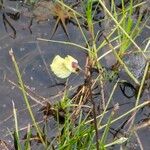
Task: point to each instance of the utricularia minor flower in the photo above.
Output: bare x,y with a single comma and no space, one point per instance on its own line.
63,67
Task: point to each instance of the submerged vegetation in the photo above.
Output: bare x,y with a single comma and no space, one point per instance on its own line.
84,116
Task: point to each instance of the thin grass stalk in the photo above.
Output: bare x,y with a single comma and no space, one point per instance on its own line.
81,31
89,18
63,42
122,63
27,142
127,26
118,141
116,15
139,141
106,131
122,116
95,120
108,102
16,133
25,96
147,46
127,113
142,83
127,35
108,36
139,94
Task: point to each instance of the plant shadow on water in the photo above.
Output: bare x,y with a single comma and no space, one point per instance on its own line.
20,26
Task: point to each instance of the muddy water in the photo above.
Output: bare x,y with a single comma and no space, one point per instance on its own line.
33,58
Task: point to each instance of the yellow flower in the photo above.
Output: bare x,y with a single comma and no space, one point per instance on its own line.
63,67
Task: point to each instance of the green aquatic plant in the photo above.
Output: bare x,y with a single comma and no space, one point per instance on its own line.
129,25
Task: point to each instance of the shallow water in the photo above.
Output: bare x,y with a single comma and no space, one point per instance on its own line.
33,58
